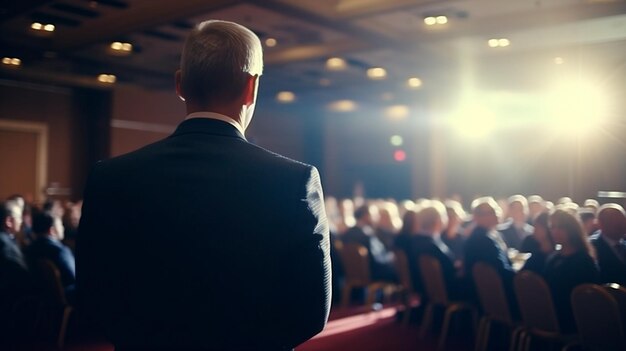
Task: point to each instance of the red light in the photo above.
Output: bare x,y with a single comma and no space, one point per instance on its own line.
399,155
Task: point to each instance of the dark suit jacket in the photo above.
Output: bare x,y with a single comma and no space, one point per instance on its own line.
512,236
205,241
427,245
563,274
57,253
483,246
380,260
612,269
487,247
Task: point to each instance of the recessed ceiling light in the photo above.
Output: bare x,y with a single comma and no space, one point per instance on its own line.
11,61
270,42
441,19
377,73
343,106
498,43
119,46
42,27
286,97
414,82
430,20
559,60
107,78
336,63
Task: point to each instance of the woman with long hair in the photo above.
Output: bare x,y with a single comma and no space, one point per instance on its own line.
572,264
541,244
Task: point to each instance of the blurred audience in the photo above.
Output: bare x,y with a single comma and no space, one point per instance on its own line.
47,245
14,277
389,223
540,244
588,221
610,245
363,233
573,264
427,241
486,245
411,226
515,229
536,205
452,235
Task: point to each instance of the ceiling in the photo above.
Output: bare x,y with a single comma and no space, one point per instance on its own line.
588,35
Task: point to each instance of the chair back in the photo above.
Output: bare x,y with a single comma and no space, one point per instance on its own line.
51,282
432,279
619,294
403,269
597,317
535,302
491,292
355,263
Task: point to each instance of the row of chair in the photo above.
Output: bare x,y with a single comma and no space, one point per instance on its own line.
46,311
599,311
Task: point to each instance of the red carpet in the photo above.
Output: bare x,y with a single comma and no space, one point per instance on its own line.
356,328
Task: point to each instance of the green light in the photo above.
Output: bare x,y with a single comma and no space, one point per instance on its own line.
396,140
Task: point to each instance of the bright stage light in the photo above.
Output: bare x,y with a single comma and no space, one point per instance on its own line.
576,107
474,120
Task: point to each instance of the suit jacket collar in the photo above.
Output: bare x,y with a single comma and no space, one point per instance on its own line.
207,126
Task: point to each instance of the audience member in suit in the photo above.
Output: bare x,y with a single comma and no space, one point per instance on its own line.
381,260
14,276
452,235
485,245
411,226
536,206
610,244
216,243
540,245
388,224
428,242
570,266
588,220
47,245
515,228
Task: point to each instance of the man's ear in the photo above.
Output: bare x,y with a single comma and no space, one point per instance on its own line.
251,89
179,90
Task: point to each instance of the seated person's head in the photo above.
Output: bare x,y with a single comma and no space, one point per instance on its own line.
518,208
455,213
366,215
592,204
434,218
47,225
568,232
542,233
588,220
612,221
486,212
10,217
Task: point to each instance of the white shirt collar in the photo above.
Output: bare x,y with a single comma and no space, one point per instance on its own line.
218,116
